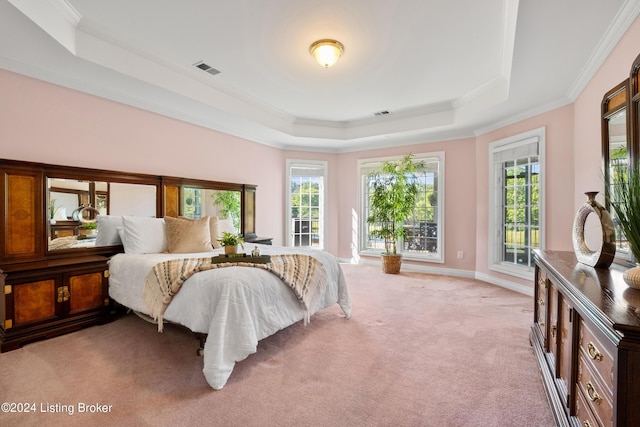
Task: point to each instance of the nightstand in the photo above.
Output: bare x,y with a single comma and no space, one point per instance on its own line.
259,240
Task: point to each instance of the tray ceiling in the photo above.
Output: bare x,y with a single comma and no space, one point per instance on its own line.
440,69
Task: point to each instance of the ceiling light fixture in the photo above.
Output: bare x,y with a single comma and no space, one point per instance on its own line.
326,51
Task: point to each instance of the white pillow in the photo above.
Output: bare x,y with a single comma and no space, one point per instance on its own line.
225,224
120,231
61,214
108,230
143,235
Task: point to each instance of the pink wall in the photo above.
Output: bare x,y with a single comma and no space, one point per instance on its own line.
42,122
45,123
588,138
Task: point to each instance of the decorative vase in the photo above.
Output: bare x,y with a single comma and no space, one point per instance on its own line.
230,249
632,297
603,256
391,263
632,277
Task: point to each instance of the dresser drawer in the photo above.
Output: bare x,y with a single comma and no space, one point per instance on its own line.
583,412
599,354
597,397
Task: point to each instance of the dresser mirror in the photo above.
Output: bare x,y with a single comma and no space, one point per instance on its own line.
74,204
615,153
620,144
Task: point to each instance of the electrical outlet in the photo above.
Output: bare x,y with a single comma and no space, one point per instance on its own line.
460,254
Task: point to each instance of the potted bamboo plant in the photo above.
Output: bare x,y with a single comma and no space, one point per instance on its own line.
394,189
626,204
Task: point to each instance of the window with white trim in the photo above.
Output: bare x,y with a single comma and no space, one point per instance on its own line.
425,228
306,196
516,226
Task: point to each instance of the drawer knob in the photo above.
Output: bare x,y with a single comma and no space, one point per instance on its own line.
540,301
586,423
594,353
593,394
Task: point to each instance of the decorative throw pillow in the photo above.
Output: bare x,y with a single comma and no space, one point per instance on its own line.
188,235
143,235
60,214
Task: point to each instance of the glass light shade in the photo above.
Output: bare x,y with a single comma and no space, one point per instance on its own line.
326,51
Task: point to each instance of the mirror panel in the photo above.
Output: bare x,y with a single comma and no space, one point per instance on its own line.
132,199
615,154
200,202
74,205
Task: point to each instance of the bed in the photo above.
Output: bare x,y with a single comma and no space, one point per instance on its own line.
235,306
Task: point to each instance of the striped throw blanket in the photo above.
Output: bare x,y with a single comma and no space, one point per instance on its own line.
302,273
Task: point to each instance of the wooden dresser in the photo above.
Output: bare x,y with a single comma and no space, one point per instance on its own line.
49,298
43,293
586,336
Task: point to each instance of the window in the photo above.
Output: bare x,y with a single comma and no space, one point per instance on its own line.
306,203
424,239
516,202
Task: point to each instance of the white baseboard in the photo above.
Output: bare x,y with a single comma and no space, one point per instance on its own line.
517,287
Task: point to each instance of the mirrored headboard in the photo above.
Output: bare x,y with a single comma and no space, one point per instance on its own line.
52,211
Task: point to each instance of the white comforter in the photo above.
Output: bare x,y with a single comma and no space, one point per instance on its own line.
235,306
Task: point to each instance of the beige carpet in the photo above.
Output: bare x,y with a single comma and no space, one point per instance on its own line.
420,350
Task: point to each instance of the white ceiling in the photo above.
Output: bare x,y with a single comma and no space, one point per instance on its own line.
442,69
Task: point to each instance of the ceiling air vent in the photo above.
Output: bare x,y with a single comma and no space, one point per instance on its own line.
381,113
208,68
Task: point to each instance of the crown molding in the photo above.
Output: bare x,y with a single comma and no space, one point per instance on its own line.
621,23
56,17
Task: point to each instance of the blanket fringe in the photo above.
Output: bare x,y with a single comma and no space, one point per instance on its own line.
155,305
